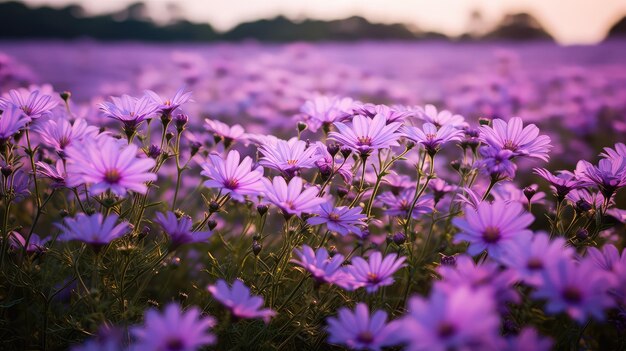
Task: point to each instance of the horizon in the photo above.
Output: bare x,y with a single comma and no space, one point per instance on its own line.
450,17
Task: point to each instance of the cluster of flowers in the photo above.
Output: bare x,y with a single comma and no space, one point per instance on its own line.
372,200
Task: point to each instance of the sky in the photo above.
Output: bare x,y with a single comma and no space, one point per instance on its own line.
569,21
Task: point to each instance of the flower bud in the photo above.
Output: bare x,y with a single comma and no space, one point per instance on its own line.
154,151
333,149
211,223
262,209
194,147
345,152
399,238
448,260
256,248
582,234
180,121
583,205
301,126
530,191
66,95
214,206
484,121
342,191
6,170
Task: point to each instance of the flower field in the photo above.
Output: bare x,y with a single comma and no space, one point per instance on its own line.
366,196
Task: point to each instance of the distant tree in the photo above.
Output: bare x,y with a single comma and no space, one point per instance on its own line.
519,26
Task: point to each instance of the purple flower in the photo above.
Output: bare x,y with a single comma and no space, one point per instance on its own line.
129,110
365,135
328,165
529,339
174,329
232,177
432,138
497,163
459,319
325,110
493,227
342,220
606,259
608,176
509,192
12,121
107,164
617,153
322,267
376,272
17,186
400,205
288,157
562,183
167,106
512,136
35,245
239,301
55,173
290,198
31,103
440,118
95,230
360,331
59,134
392,114
222,131
578,288
180,230
532,256
440,188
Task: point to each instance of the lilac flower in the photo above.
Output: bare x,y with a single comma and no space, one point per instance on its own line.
529,339
55,173
288,157
400,205
532,256
365,135
509,192
562,183
459,319
59,134
228,134
493,227
512,136
578,288
167,106
17,186
328,165
497,163
174,330
239,301
617,153
232,177
129,110
608,176
440,188
376,272
584,198
342,219
432,138
180,230
440,118
12,121
360,331
36,244
32,103
322,267
485,275
470,198
290,198
95,230
325,110
392,114
606,259
107,164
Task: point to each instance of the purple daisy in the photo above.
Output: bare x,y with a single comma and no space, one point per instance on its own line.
174,329
608,176
167,106
228,134
56,173
180,230
107,164
328,164
95,230
342,219
529,339
365,135
376,272
578,288
399,205
290,198
562,183
460,319
322,267
288,157
392,114
497,163
239,301
12,121
493,227
59,134
129,110
531,256
32,103
232,177
323,111
359,330
36,244
617,153
440,118
513,136
432,138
